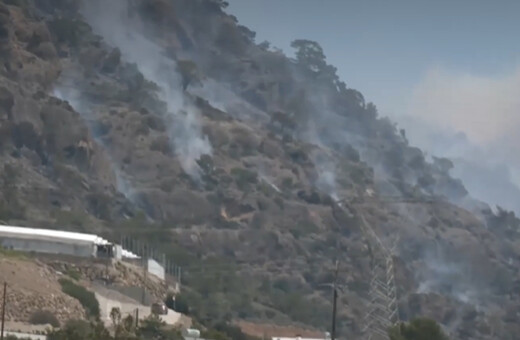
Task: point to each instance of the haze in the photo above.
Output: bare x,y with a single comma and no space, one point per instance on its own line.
448,72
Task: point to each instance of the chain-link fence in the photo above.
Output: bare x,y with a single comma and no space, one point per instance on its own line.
172,271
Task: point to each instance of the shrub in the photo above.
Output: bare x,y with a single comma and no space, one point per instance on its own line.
420,328
11,253
44,317
86,298
244,177
67,31
73,273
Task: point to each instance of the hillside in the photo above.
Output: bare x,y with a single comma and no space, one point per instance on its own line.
37,291
165,120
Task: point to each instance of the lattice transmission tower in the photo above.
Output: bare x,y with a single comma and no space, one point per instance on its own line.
383,309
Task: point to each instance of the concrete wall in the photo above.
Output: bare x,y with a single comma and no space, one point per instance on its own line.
42,246
153,267
135,293
156,269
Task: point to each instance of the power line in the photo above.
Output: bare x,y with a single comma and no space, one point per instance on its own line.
4,303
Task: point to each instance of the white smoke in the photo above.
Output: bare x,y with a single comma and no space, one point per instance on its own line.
222,97
473,120
114,22
75,100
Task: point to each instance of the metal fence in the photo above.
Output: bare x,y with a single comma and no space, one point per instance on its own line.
145,251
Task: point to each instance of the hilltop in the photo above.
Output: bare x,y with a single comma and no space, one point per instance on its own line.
166,120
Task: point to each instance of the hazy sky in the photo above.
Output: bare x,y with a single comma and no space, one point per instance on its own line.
385,48
446,71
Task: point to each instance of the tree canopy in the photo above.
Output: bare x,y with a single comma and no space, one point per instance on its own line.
418,329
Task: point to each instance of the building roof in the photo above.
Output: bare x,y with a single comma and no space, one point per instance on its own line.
52,235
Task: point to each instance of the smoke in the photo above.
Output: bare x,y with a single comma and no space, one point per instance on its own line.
473,120
74,98
120,27
447,278
222,97
486,109
326,181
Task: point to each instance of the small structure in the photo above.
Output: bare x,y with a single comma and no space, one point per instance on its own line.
191,334
58,242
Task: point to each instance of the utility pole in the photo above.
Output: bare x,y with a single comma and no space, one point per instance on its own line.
145,270
3,311
334,302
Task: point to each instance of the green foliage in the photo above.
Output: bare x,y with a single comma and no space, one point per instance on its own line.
11,206
79,330
44,317
230,39
188,71
418,329
99,205
287,183
303,228
12,254
86,298
178,303
154,328
76,219
310,54
67,31
73,273
151,328
233,332
244,177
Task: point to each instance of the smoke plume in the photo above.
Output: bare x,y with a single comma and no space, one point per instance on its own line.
121,28
473,120
74,98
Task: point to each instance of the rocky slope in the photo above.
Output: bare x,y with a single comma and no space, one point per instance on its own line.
33,285
164,119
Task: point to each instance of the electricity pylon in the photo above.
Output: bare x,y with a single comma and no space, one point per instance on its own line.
383,309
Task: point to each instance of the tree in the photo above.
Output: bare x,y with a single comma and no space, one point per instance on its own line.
188,71
417,329
310,54
264,45
154,328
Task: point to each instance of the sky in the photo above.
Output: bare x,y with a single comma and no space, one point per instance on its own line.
446,71
385,48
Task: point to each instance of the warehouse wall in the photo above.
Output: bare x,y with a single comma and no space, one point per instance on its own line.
43,246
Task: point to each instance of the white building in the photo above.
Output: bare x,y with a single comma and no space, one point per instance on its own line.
58,242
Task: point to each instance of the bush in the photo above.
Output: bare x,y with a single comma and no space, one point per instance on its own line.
178,303
244,177
73,273
418,329
44,317
14,254
80,330
86,298
67,31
